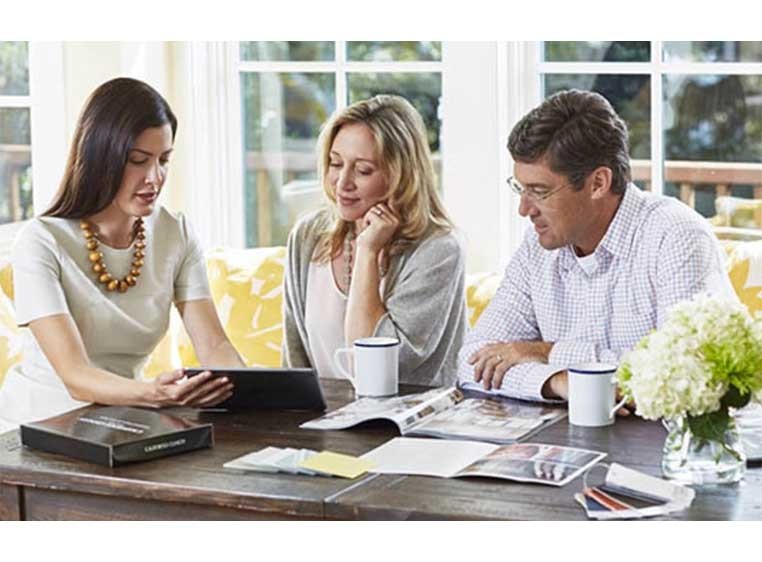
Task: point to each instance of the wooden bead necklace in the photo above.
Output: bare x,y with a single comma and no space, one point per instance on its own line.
100,269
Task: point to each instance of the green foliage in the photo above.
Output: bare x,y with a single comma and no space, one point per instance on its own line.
714,51
716,118
734,398
735,361
287,50
14,68
597,51
382,51
285,108
423,90
629,94
711,426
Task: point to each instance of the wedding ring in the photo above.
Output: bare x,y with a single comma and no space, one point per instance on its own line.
499,357
377,211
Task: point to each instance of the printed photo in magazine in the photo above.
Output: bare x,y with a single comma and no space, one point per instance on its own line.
447,413
523,462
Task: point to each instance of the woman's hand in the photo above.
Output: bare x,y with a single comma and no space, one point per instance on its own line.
201,391
379,225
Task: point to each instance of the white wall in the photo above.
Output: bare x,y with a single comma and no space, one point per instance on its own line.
475,127
471,148
89,64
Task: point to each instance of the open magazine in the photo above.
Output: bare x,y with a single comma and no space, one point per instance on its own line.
447,413
524,462
749,420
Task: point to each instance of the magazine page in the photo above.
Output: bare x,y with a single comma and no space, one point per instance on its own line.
402,410
486,419
426,457
749,421
532,462
427,409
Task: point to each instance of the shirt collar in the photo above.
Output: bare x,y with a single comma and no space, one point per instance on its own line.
618,238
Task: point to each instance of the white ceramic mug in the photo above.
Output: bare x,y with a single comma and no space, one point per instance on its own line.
376,366
592,394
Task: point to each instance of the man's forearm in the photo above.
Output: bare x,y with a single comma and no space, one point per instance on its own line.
556,387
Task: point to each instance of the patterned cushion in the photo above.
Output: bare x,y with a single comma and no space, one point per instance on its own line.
745,270
738,212
247,288
6,279
10,340
480,288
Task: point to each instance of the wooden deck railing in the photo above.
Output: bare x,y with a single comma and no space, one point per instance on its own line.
720,175
14,159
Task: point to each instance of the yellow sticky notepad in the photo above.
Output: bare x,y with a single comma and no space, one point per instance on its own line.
337,464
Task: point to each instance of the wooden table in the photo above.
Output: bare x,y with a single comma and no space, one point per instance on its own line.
41,486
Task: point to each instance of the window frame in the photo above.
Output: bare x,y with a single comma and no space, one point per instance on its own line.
46,103
219,64
480,105
525,60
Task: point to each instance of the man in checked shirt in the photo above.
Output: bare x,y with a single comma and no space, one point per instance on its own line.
602,264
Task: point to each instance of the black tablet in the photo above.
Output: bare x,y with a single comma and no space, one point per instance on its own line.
269,389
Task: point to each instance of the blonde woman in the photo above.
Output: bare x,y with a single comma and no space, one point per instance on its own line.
381,259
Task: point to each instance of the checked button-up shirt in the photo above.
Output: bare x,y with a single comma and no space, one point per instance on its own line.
656,252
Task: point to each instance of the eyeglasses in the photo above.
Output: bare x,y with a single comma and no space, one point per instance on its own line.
532,194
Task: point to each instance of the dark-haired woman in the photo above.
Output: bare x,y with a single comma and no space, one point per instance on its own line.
96,274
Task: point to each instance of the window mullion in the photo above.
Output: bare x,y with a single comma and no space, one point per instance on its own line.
15,101
341,74
47,120
657,116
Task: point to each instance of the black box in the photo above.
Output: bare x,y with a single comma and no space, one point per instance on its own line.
115,435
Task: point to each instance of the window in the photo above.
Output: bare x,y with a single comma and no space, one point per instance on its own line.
32,131
289,89
15,133
694,110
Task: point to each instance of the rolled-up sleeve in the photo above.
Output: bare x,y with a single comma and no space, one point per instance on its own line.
510,317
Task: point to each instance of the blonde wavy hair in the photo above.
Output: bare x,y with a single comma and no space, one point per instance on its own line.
402,151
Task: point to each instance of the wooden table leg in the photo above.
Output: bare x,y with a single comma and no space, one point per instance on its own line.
10,502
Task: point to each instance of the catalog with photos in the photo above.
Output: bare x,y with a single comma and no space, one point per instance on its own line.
749,421
447,413
524,462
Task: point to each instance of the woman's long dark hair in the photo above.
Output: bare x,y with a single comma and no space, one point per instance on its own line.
115,114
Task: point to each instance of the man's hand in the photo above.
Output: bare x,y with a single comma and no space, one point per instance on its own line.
557,386
628,408
492,361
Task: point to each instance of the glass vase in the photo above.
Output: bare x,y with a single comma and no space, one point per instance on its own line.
689,460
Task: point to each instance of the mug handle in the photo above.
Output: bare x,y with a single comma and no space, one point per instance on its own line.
337,361
614,410
622,402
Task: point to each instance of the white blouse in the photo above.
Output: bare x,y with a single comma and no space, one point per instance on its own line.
52,275
324,314
325,309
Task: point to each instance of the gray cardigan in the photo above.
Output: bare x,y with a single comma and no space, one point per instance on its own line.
424,297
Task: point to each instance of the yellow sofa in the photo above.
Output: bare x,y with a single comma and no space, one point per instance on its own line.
247,290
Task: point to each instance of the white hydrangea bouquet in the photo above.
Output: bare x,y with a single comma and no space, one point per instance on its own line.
705,359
